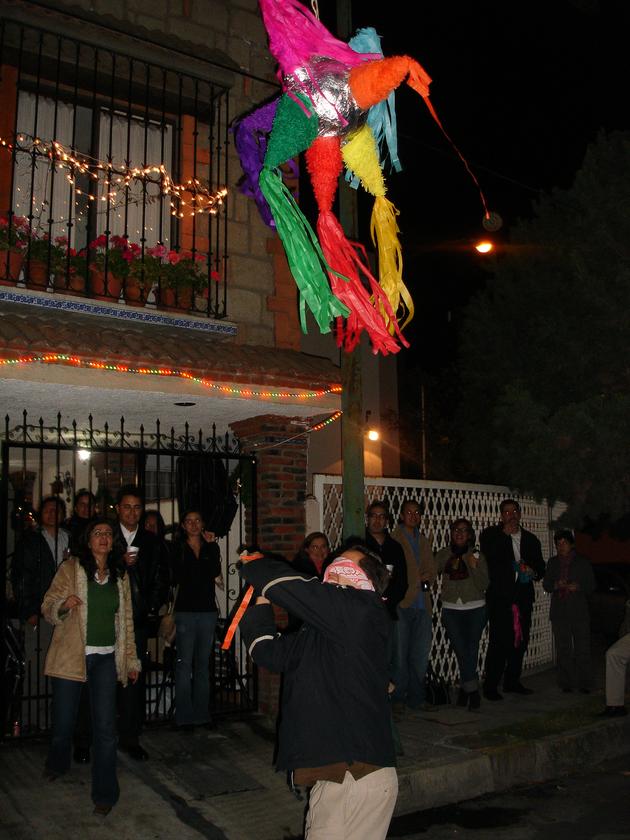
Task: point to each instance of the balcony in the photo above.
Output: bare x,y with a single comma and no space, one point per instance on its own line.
112,174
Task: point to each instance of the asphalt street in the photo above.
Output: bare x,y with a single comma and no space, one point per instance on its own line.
583,806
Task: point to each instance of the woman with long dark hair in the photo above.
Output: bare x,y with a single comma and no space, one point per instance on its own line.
196,572
313,556
464,582
89,604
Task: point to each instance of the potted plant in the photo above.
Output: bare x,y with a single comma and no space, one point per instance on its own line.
44,259
184,277
13,240
145,273
110,262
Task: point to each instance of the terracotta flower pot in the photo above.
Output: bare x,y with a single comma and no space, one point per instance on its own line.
74,285
38,275
176,303
134,293
100,291
10,266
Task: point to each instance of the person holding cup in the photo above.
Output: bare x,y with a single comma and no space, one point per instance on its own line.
140,554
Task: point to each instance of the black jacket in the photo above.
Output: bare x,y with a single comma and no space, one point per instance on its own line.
392,554
148,577
503,589
334,698
32,571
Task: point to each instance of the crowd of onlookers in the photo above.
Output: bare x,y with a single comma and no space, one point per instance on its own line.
101,604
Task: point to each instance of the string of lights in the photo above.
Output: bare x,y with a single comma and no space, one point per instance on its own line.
243,393
316,428
117,177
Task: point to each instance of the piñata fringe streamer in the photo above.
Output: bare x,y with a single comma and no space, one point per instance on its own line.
361,155
250,139
304,254
324,163
381,117
296,35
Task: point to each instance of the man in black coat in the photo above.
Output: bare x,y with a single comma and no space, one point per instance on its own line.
143,558
335,731
515,560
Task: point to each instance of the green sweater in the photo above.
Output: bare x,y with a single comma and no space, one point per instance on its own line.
471,588
102,607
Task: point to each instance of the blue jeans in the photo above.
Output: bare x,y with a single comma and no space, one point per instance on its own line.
195,645
464,629
414,633
101,685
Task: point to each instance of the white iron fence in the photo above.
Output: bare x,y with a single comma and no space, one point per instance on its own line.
443,502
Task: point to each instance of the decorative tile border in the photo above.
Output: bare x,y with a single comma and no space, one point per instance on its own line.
122,313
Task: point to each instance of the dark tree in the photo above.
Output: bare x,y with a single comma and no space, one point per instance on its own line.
545,348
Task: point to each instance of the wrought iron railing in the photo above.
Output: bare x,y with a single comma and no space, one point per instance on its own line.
112,175
38,460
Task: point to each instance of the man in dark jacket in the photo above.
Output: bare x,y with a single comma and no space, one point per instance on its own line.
37,556
515,560
141,554
378,540
335,731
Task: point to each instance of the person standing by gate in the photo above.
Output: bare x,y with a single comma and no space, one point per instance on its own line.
515,560
414,627
36,559
139,553
89,604
196,572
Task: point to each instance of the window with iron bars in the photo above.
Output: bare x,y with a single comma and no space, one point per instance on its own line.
112,175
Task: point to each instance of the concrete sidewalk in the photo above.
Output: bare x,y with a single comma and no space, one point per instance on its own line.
222,784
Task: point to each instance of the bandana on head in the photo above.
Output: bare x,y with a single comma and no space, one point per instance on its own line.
349,570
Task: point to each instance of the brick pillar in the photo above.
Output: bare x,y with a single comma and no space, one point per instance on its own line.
280,493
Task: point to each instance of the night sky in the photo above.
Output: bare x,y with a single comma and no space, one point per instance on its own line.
522,88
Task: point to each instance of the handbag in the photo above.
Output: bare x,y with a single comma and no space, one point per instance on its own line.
167,628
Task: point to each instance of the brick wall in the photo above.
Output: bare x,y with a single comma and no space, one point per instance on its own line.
281,515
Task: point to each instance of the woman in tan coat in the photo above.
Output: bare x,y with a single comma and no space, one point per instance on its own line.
89,604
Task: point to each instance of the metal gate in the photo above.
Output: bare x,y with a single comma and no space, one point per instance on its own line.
40,461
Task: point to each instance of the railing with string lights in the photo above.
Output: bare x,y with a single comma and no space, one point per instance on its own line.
113,174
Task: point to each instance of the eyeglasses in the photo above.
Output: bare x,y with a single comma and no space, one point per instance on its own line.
191,521
98,533
461,531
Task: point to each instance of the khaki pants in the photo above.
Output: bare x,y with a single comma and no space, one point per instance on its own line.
617,658
353,810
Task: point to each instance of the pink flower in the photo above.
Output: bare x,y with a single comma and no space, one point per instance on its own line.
214,275
173,257
99,242
200,257
127,255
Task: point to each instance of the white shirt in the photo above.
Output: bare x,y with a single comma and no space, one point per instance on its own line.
128,535
516,548
57,544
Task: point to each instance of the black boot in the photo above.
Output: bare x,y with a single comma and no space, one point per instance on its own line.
474,701
462,698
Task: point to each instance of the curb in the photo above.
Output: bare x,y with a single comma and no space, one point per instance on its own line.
495,769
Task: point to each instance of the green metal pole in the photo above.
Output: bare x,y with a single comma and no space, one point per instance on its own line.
352,426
